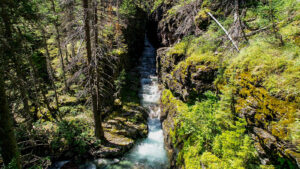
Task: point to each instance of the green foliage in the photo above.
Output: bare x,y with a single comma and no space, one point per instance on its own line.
201,47
181,48
203,137
156,4
263,59
262,78
234,147
128,8
178,5
73,135
120,82
11,165
172,104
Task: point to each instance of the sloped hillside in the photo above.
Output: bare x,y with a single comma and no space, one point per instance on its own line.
231,77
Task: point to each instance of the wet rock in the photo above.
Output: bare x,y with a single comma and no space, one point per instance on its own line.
169,110
70,165
102,162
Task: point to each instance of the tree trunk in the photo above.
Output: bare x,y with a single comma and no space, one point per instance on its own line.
8,141
238,22
59,47
228,35
67,53
73,49
7,134
274,26
38,86
69,15
50,70
10,55
23,91
97,116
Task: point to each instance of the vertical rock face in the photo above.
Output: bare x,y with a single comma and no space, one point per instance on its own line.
134,35
186,77
174,27
155,18
170,108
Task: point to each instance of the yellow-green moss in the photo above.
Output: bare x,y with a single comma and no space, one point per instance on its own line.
274,113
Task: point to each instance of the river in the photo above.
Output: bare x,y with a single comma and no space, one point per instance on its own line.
148,153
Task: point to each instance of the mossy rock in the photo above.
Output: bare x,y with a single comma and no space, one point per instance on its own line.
193,76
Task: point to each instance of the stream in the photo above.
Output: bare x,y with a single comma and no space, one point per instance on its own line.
148,153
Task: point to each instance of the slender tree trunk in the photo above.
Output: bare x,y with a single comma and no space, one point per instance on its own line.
8,141
50,70
70,29
23,91
58,38
67,53
97,117
73,49
274,26
96,45
228,35
38,86
239,21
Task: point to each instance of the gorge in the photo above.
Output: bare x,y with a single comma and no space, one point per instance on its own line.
162,84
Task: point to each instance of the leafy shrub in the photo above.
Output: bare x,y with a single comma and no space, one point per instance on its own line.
199,135
128,8
73,135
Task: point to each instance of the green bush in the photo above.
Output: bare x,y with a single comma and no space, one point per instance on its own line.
200,135
128,8
73,135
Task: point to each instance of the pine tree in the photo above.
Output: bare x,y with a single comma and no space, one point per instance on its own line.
91,73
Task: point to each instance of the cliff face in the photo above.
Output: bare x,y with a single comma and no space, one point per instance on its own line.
196,56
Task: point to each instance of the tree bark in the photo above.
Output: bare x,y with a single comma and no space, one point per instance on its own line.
69,15
238,22
97,116
38,86
10,54
274,26
224,30
50,69
8,141
59,47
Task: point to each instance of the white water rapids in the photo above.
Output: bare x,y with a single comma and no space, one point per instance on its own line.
149,153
